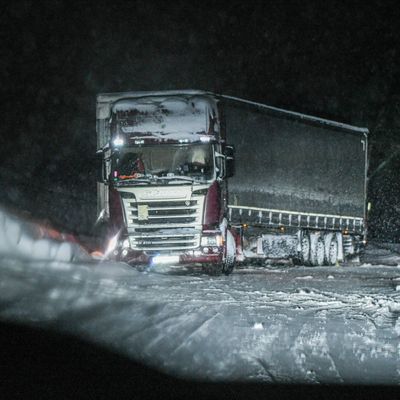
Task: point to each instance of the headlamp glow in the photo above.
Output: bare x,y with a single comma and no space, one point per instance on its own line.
118,141
214,240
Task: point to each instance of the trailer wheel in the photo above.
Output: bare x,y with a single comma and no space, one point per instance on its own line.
305,249
332,256
318,252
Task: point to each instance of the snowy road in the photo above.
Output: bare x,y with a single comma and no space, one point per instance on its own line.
286,324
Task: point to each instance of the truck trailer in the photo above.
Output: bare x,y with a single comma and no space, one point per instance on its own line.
191,177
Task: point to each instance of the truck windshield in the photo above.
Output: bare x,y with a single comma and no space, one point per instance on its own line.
169,163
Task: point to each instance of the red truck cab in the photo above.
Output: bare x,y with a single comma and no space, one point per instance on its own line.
165,166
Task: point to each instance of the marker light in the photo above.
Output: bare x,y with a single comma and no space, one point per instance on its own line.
118,141
205,139
214,240
124,253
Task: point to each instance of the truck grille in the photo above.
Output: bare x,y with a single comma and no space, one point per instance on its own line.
164,225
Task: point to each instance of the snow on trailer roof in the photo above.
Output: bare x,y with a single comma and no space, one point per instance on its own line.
304,117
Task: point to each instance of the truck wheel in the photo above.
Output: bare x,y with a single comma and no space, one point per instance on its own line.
332,256
318,252
228,265
305,249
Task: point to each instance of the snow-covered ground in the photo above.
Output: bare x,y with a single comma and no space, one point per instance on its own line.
270,324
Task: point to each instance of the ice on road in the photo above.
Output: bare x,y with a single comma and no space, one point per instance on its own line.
286,324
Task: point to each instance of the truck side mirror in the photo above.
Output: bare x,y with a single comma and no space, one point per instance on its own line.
230,161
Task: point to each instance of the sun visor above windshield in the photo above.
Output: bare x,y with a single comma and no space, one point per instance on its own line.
172,118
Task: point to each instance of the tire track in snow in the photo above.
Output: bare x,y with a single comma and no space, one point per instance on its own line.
266,368
197,329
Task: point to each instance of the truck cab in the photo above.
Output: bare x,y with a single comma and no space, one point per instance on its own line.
163,191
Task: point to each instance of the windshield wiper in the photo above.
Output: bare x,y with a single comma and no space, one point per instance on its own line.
155,178
131,180
176,178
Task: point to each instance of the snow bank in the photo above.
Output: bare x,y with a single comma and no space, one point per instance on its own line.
288,325
26,240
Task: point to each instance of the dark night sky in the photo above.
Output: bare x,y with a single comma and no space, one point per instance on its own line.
335,59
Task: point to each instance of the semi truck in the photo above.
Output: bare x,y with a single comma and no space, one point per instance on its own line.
191,177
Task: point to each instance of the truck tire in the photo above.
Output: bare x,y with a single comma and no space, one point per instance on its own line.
229,259
333,252
229,263
318,252
305,249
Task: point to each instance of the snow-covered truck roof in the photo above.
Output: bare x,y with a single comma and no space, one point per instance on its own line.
168,115
106,100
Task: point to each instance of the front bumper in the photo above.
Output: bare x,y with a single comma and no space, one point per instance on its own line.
197,256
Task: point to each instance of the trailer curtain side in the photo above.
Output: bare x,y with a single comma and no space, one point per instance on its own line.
295,164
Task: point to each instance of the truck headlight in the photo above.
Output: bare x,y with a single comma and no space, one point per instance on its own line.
118,141
211,241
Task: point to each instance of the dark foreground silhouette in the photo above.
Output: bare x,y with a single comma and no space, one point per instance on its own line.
37,363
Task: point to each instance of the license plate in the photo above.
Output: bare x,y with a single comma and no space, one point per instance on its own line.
143,212
165,260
